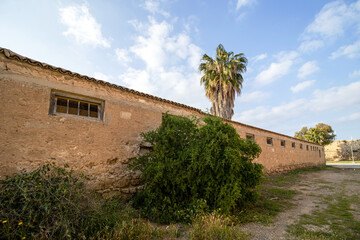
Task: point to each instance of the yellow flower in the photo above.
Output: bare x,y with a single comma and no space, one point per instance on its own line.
20,223
23,237
5,221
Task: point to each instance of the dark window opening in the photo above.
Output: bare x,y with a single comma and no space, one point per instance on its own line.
282,143
250,136
269,141
293,145
300,145
307,147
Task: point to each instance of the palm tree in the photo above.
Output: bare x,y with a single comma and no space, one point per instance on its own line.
222,78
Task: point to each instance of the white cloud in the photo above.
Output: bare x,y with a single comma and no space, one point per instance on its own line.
102,76
278,69
82,25
255,96
352,117
150,45
302,86
122,56
138,80
311,45
262,114
259,57
351,51
355,74
158,48
330,23
244,3
335,99
307,69
170,61
154,7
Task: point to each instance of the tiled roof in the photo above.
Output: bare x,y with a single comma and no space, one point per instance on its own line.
12,55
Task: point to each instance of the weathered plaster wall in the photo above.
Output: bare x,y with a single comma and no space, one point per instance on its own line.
276,158
341,150
30,136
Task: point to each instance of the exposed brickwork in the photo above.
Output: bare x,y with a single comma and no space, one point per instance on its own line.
31,136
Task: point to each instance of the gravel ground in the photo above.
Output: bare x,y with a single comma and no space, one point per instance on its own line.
310,186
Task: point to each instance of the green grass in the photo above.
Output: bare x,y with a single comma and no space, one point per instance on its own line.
275,196
336,221
272,201
290,178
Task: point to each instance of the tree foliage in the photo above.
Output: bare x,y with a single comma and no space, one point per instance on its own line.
222,79
322,134
194,166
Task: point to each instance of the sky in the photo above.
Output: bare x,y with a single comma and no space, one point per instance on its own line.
303,55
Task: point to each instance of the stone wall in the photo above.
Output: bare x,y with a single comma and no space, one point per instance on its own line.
30,134
341,150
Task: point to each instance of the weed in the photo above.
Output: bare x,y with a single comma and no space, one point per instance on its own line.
214,226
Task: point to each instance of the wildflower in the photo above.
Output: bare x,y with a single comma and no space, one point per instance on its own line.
23,238
5,221
20,223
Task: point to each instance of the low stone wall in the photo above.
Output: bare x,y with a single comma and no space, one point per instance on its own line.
341,150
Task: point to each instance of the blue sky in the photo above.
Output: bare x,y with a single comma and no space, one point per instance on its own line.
304,55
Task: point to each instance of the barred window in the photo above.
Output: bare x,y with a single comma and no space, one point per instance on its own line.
68,103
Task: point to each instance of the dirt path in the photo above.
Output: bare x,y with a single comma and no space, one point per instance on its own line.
312,186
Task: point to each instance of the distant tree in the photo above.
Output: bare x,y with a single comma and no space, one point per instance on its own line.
300,134
222,79
322,134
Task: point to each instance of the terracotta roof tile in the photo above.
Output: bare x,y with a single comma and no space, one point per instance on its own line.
12,55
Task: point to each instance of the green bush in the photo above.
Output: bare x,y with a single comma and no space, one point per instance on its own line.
195,167
51,203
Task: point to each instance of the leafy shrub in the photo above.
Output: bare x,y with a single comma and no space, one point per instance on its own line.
51,203
194,163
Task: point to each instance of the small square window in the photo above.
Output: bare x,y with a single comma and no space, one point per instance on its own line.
250,136
282,143
293,145
300,145
269,141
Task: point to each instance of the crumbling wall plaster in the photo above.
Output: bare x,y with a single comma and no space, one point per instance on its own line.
30,136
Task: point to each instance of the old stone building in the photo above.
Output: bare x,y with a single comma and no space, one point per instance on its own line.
49,113
341,150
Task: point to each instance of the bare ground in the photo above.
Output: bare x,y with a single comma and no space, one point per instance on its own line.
311,187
